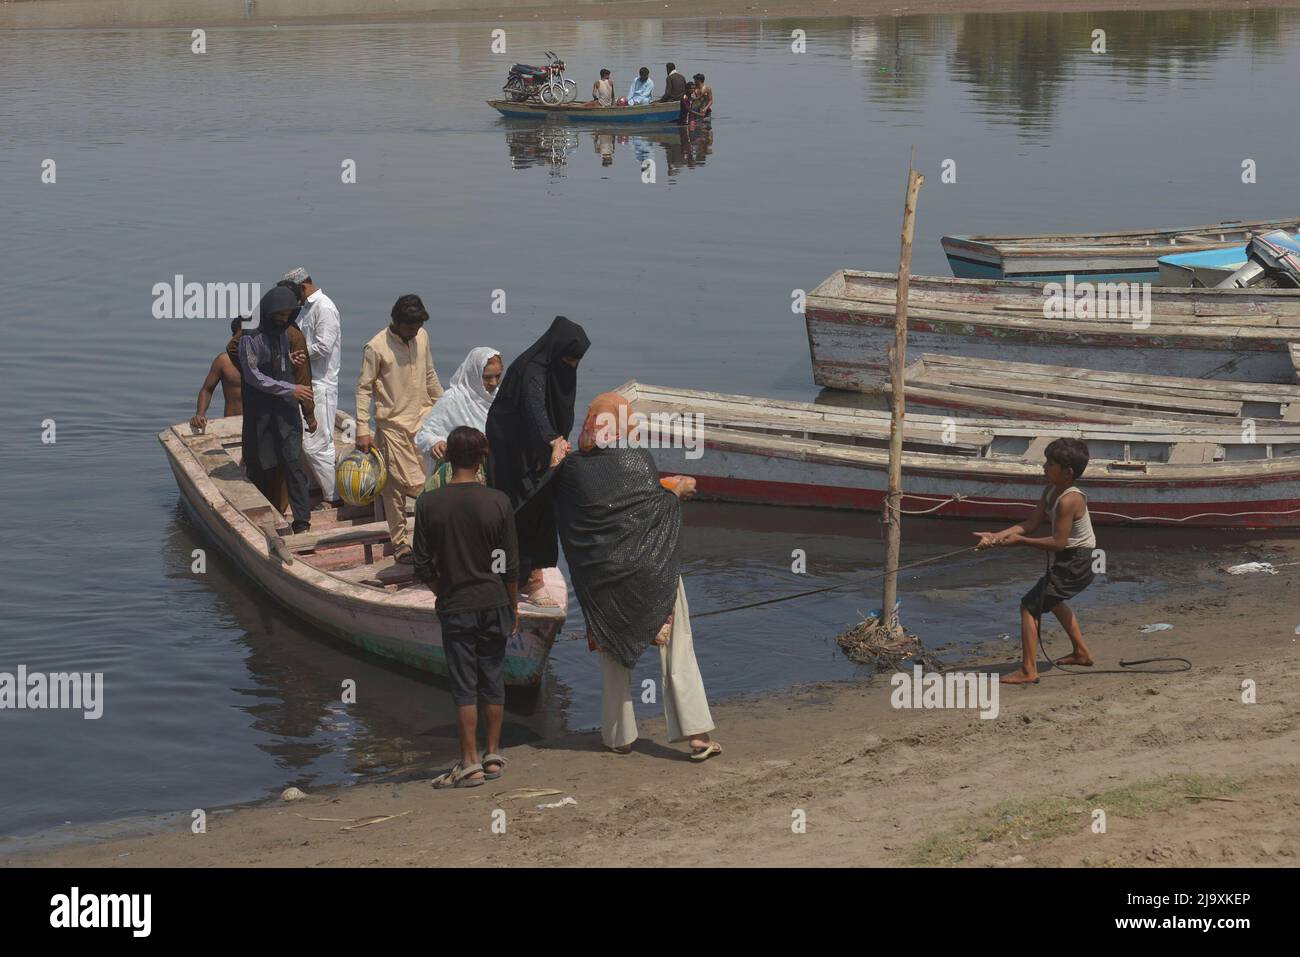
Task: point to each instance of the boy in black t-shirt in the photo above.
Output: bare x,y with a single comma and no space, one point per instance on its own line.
466,551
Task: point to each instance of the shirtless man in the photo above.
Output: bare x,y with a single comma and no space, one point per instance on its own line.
703,94
226,373
602,91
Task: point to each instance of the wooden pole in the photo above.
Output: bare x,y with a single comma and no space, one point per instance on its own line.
897,359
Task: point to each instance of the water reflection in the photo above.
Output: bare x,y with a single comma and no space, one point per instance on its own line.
555,145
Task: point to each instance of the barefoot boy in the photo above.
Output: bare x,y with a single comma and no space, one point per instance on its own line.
1072,543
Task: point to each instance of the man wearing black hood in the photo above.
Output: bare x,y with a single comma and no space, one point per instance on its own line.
272,429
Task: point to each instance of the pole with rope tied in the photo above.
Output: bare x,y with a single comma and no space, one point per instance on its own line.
884,639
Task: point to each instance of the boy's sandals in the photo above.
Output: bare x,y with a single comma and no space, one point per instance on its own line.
623,749
491,774
706,752
459,777
403,556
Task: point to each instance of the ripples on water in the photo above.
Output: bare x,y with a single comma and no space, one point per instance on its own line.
226,167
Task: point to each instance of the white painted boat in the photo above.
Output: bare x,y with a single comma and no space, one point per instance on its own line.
335,576
1151,473
1240,334
1127,254
1024,390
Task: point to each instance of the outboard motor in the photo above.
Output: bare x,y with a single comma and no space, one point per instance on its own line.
1274,261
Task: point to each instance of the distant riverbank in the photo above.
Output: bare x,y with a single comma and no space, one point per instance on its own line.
56,14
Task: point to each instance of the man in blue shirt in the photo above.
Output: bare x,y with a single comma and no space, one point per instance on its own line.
643,89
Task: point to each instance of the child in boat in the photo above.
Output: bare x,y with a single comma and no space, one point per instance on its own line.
1071,543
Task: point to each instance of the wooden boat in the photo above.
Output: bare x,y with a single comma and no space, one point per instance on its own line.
578,113
796,453
1129,255
1023,390
1204,269
334,576
1239,334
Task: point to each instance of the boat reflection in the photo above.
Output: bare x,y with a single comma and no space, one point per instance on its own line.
556,145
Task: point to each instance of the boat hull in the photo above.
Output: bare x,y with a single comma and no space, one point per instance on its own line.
732,475
1126,255
651,113
1217,334
406,632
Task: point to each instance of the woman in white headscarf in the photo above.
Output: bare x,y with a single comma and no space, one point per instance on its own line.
466,402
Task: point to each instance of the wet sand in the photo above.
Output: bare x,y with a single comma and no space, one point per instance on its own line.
38,14
1186,772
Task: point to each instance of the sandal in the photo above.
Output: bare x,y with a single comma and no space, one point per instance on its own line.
458,776
403,556
496,759
625,749
541,599
706,752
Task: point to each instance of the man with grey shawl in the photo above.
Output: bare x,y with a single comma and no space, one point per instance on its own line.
620,527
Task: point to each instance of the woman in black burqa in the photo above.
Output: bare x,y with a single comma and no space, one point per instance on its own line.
528,430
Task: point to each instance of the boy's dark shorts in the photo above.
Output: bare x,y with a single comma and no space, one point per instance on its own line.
474,643
1069,574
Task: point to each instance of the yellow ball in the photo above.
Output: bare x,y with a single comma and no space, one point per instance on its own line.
361,477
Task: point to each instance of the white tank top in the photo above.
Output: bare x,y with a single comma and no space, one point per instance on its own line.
1081,534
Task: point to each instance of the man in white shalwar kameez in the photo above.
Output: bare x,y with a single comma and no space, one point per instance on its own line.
319,322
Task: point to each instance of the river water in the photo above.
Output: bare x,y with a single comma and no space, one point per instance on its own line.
226,166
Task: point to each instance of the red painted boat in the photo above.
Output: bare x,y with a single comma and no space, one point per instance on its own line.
745,449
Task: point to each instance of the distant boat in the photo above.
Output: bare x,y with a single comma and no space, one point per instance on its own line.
336,576
1239,334
1150,473
577,113
1129,255
990,388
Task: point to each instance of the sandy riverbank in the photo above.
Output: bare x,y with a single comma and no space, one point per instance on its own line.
54,14
1187,773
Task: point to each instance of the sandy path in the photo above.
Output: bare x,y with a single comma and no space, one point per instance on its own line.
1186,773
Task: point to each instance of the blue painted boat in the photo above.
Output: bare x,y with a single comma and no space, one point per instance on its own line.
650,113
1205,269
1127,255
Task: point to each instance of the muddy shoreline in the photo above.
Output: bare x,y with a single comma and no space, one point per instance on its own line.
1187,772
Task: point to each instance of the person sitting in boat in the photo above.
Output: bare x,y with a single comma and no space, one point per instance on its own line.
602,91
703,96
467,553
643,88
1071,546
674,85
274,388
223,372
528,430
466,402
397,371
621,530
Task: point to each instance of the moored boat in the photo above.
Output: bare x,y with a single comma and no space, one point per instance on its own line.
579,113
1241,334
794,453
1128,254
1206,269
335,576
1024,390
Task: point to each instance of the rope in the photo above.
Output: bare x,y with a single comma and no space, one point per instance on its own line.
1128,518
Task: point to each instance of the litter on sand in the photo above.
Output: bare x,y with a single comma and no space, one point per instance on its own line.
1158,626
1247,568
565,803
366,822
525,793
